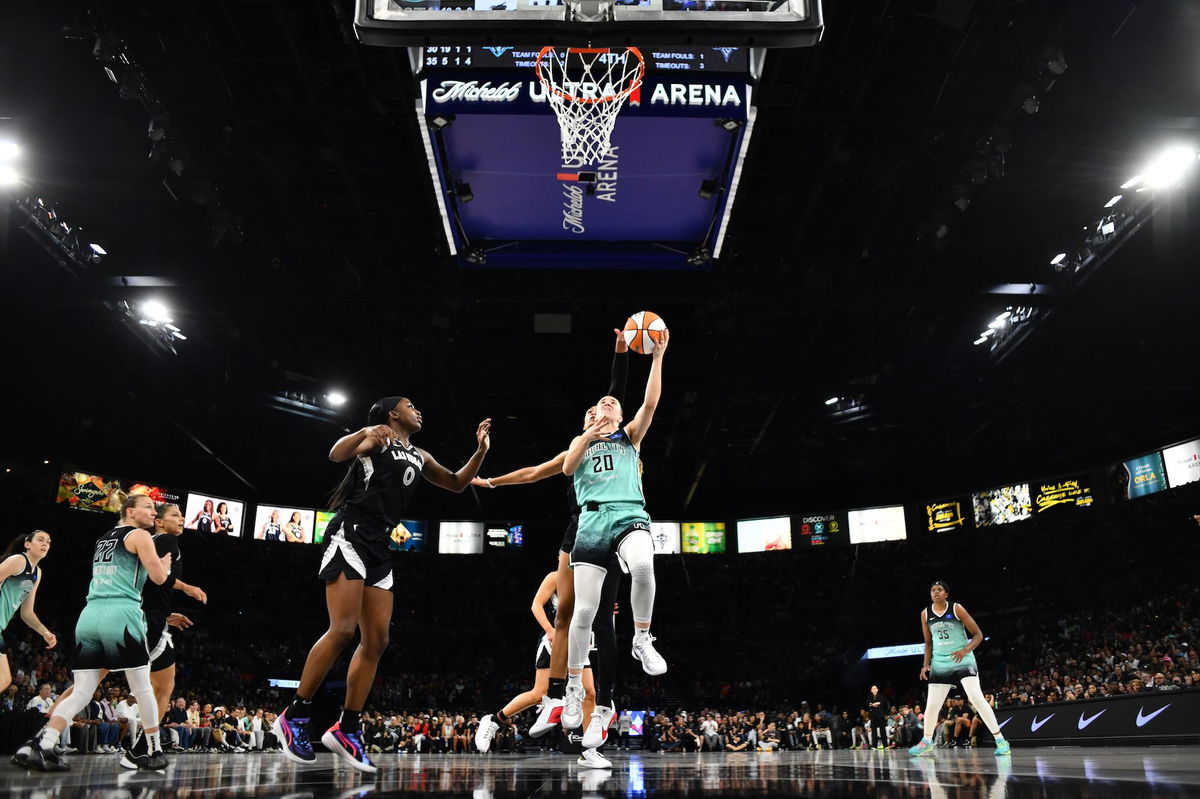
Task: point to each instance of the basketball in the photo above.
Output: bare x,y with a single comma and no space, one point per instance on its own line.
643,331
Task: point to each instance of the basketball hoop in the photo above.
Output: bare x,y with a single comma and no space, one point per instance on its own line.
587,87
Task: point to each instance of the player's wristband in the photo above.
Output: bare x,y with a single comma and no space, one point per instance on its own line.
488,480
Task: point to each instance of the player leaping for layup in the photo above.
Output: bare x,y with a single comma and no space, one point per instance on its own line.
612,520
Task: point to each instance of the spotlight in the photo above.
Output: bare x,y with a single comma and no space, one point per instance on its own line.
1170,167
1058,259
9,150
9,176
710,189
831,401
155,311
440,121
94,253
335,398
981,340
462,190
1116,199
1133,181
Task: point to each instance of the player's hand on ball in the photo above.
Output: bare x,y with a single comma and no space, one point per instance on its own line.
50,638
924,673
661,349
622,344
482,435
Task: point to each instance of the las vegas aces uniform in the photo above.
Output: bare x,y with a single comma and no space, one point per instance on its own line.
382,485
111,631
156,602
949,635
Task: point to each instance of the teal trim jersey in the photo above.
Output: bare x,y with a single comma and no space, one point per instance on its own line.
948,632
116,572
14,590
609,472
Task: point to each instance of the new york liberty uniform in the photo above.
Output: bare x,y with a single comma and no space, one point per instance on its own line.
608,487
111,631
13,592
949,635
381,488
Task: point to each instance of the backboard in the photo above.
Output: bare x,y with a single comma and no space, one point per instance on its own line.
585,23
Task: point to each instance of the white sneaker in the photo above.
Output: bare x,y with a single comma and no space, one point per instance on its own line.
597,729
485,733
644,651
549,716
590,758
572,712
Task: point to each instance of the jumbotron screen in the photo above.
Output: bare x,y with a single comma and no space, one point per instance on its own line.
764,535
871,525
1182,463
89,491
408,536
702,538
1002,505
1067,493
948,515
504,535
206,513
822,529
460,538
1139,477
666,537
279,523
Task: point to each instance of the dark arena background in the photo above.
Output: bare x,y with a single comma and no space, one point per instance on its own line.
929,269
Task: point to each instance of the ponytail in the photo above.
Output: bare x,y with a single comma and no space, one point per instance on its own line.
377,415
17,545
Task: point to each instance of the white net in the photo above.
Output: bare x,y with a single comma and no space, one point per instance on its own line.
587,87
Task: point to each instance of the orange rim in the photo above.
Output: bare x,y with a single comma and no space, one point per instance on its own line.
635,82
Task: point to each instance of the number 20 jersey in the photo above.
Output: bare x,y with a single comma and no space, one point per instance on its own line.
609,472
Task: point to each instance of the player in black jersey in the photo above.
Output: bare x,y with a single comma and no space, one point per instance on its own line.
357,566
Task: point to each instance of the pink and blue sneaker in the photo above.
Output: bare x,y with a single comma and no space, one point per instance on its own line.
923,749
293,734
348,744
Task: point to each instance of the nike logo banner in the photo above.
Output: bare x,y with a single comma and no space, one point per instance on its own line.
1084,722
1036,725
1142,721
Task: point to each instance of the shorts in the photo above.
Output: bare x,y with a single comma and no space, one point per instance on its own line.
162,646
541,660
600,532
568,542
944,671
353,551
110,634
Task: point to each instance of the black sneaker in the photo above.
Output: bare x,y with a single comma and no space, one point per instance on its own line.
46,760
24,752
154,762
130,755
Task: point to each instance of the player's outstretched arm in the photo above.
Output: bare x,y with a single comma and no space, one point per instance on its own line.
637,427
529,474
360,442
457,482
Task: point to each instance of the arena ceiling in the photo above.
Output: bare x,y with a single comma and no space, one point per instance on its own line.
292,229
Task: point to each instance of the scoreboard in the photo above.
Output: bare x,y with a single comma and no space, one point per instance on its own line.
661,60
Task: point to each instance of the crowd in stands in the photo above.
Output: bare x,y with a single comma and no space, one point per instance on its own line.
1049,640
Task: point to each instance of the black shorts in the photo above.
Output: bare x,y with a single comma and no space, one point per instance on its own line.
542,659
358,550
160,643
568,542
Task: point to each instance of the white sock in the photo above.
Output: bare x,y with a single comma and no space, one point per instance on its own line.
49,737
640,634
575,680
153,742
